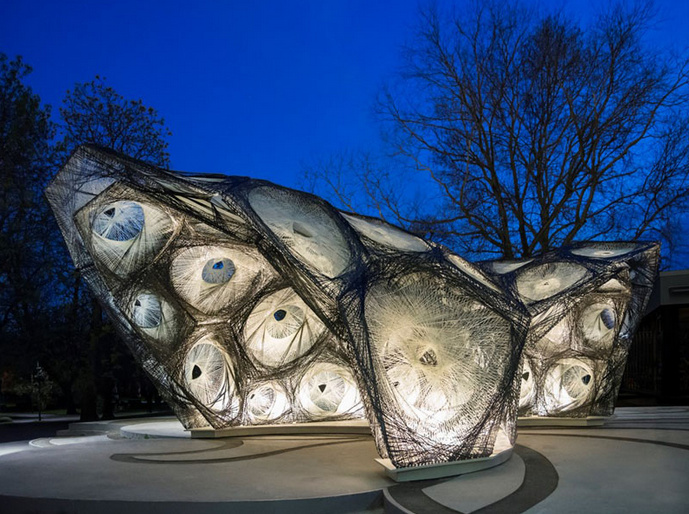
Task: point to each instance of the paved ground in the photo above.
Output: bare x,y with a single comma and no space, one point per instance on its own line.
637,463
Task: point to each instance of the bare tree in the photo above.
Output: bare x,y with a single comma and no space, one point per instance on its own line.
94,112
536,132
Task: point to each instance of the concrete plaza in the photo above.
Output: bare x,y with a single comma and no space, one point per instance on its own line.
638,462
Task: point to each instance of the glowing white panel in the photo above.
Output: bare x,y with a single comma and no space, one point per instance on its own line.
127,235
153,316
568,384
212,277
598,322
557,339
438,352
305,227
603,251
508,266
547,280
208,374
386,235
147,311
328,390
472,271
267,402
280,329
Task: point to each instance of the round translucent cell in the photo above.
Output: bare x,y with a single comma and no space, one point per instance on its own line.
125,235
208,376
471,270
328,390
387,235
547,280
508,266
285,321
147,311
280,329
598,322
212,278
267,402
442,353
119,221
603,251
568,385
217,271
305,227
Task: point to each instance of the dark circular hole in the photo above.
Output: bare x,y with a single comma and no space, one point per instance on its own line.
280,314
195,372
429,358
586,379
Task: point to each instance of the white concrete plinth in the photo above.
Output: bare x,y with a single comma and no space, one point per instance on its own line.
444,469
546,421
326,427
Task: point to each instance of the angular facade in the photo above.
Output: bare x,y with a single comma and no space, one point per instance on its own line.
249,303
585,302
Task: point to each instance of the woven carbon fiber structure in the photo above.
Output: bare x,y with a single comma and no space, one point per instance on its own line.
585,301
249,303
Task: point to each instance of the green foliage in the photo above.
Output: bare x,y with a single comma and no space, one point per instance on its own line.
26,226
46,312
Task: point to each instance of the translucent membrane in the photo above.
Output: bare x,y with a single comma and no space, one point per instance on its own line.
280,329
547,280
305,227
386,235
208,375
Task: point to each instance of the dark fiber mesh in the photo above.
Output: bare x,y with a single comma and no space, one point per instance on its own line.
249,303
585,301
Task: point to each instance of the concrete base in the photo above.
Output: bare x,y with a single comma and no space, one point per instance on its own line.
360,427
444,469
545,421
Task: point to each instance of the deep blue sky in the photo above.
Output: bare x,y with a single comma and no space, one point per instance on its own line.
251,88
247,87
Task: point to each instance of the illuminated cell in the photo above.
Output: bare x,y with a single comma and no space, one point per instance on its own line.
603,251
212,278
126,235
328,390
267,402
598,322
527,390
280,329
305,227
547,280
471,270
119,221
386,235
438,351
208,375
568,384
501,267
147,311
